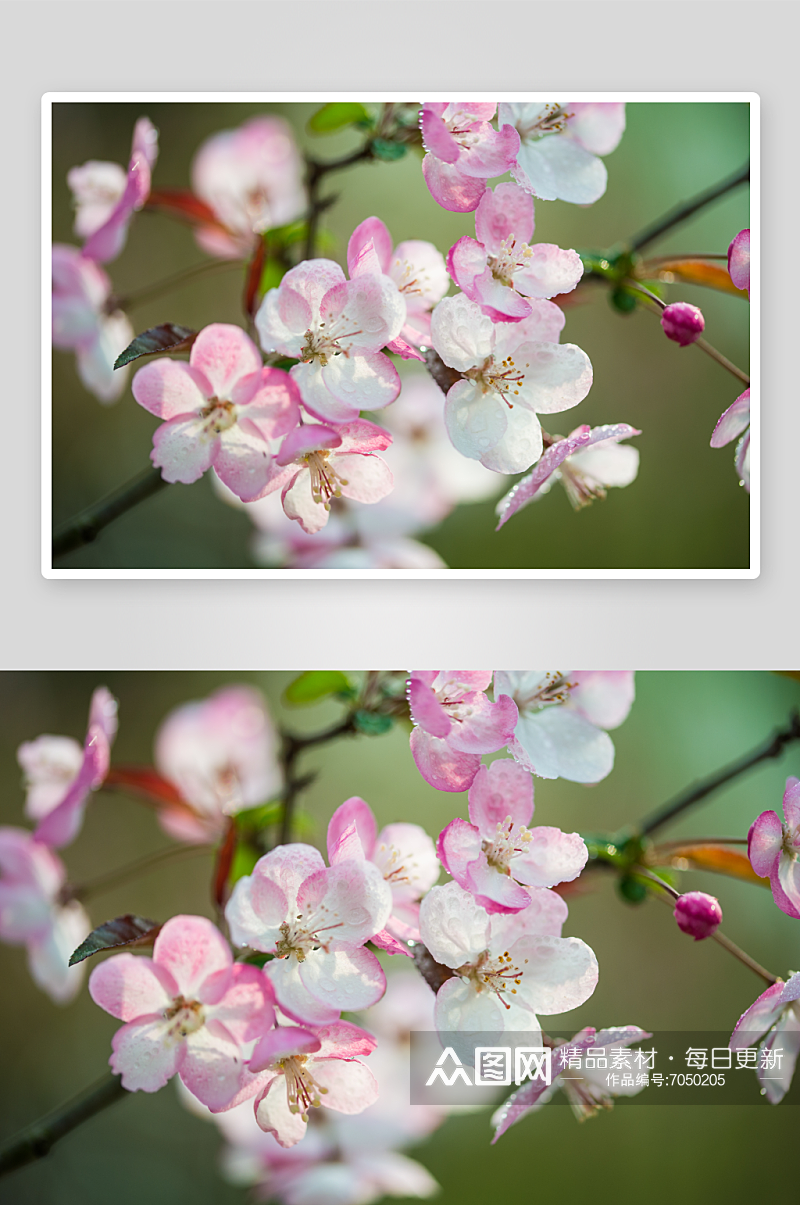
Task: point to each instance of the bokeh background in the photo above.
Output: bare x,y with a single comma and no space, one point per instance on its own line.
682,726
685,510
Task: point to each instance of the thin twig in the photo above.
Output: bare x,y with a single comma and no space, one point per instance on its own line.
685,209
292,746
771,748
316,171
720,938
37,1140
138,296
86,526
703,344
104,882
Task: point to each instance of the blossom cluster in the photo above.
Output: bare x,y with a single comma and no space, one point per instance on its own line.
291,414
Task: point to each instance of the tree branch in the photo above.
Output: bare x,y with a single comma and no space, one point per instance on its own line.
291,748
685,209
771,748
38,1139
86,526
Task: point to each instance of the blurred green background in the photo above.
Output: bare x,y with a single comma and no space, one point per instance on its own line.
685,510
682,726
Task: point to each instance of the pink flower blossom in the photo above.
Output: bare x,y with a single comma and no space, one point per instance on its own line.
496,852
404,854
774,1022
463,151
682,323
417,269
315,921
316,464
220,409
106,197
501,269
560,145
293,1070
774,849
698,914
221,755
454,724
84,321
739,260
586,462
189,1011
35,914
510,371
60,776
736,421
508,967
336,328
252,178
562,717
586,1088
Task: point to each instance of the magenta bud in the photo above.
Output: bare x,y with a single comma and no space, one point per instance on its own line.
683,323
698,914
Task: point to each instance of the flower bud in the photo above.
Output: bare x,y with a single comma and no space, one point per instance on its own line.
683,323
698,914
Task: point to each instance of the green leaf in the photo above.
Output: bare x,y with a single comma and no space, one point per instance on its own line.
271,277
336,115
257,959
632,889
388,151
372,723
623,301
125,930
167,337
254,819
244,860
316,684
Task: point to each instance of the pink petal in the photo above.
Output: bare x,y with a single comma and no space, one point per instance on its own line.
362,436
183,449
274,1117
499,301
224,354
486,727
145,1054
168,388
280,1043
603,697
426,710
318,399
764,843
353,898
451,188
739,260
597,126
467,260
760,1016
789,879
371,230
504,213
735,420
128,987
495,891
492,154
500,789
364,382
212,1065
299,504
310,437
192,949
61,826
246,1008
560,974
550,858
243,461
442,766
351,1087
548,271
343,1040
349,980
791,804
436,137
459,845
363,478
352,811
294,998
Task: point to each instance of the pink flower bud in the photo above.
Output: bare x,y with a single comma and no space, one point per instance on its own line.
682,323
698,914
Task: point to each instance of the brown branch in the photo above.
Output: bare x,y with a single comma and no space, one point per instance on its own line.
38,1139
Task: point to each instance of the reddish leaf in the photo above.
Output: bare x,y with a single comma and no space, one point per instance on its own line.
698,272
167,337
125,930
180,203
147,785
255,270
719,858
222,869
